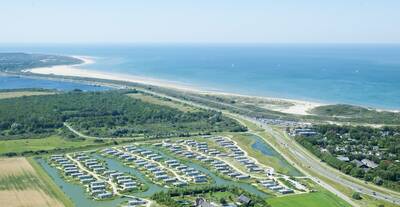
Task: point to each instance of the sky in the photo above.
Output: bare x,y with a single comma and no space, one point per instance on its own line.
203,21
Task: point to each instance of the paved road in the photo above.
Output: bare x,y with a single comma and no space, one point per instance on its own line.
78,133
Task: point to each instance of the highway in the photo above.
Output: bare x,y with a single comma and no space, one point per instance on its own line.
316,166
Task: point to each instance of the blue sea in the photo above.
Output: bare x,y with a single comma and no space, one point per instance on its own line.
361,74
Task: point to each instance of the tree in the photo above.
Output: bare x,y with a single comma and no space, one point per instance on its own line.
356,195
378,180
223,201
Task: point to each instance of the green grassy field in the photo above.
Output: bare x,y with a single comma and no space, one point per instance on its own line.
49,143
320,197
316,199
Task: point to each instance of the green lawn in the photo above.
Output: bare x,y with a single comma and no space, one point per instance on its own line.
316,199
48,143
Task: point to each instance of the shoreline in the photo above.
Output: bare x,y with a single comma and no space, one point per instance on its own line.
74,70
298,107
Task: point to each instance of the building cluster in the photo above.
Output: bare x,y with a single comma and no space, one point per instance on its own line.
271,184
302,132
194,175
283,123
148,161
96,187
134,201
124,182
239,155
351,148
201,152
364,153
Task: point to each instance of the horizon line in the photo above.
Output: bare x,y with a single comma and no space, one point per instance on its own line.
202,43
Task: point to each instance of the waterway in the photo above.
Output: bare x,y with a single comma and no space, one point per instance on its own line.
263,147
113,164
76,192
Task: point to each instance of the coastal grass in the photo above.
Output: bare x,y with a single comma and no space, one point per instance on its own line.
162,101
356,114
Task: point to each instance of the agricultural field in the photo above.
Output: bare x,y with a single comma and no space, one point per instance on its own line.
15,94
22,185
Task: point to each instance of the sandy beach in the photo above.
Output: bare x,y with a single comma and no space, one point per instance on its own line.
75,70
296,106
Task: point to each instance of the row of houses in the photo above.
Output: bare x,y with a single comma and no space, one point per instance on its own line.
194,175
241,157
140,158
210,160
134,202
90,163
96,188
124,182
275,186
157,170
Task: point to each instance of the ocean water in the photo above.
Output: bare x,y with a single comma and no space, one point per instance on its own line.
367,75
